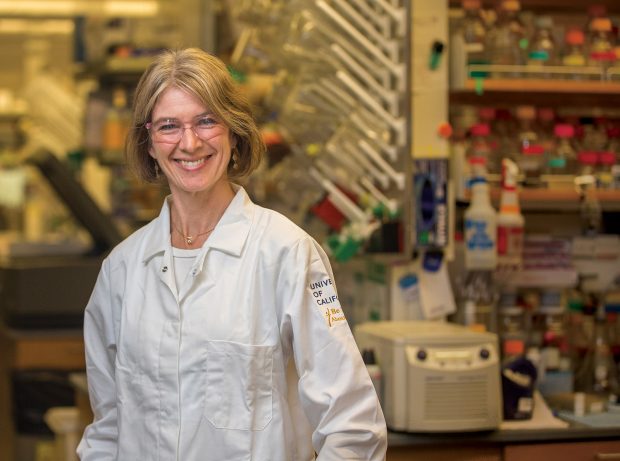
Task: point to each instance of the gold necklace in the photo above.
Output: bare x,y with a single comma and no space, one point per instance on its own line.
189,239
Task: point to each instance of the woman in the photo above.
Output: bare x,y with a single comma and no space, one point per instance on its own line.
196,317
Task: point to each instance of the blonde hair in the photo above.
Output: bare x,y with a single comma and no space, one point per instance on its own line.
207,78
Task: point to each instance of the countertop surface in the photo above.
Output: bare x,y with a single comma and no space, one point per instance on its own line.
572,433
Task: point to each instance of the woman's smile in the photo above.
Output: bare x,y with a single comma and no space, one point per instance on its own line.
194,164
198,161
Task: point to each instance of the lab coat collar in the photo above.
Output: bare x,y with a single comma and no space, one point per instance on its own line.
229,235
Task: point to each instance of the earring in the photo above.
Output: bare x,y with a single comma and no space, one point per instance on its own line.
156,170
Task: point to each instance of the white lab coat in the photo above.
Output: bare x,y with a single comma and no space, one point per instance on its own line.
201,374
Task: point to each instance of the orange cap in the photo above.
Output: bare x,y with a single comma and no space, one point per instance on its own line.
514,347
471,4
574,36
601,24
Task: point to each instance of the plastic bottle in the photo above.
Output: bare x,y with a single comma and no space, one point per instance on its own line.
543,49
510,221
480,229
575,53
479,296
506,40
511,320
563,159
556,369
116,125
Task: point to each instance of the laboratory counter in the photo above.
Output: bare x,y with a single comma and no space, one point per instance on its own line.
574,443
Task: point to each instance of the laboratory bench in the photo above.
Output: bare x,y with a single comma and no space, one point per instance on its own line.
568,444
63,350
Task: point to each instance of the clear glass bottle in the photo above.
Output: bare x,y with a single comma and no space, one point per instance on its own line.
543,49
530,160
587,161
604,170
579,332
479,151
473,30
602,361
511,321
563,159
546,125
613,138
555,342
574,53
601,47
506,40
590,207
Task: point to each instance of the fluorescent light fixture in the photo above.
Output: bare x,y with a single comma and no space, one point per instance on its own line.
64,8
120,8
37,27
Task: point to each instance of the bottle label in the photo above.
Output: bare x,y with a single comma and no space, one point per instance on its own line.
509,241
477,236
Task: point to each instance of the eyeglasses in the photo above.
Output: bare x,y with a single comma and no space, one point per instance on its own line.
170,130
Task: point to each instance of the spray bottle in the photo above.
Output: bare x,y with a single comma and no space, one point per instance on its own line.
480,228
510,221
478,289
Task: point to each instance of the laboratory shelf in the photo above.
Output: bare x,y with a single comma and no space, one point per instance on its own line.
552,92
540,199
551,6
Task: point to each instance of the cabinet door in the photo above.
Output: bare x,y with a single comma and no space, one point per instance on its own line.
583,451
451,453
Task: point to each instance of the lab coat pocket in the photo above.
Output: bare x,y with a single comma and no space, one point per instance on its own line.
238,385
